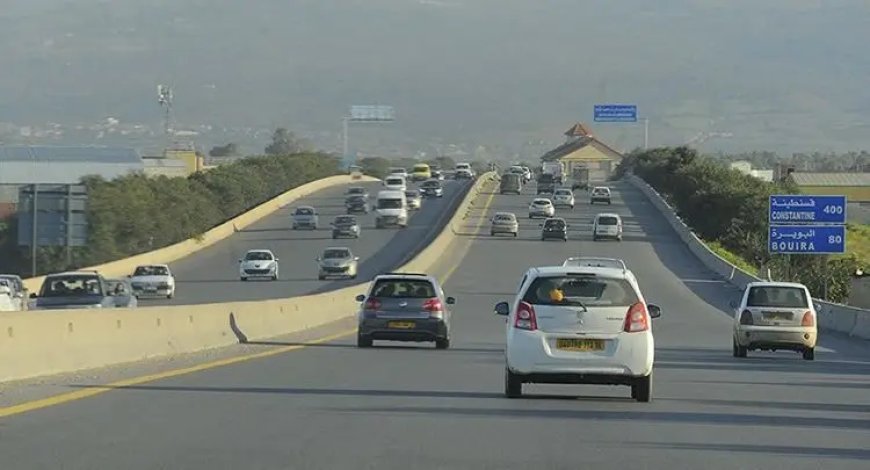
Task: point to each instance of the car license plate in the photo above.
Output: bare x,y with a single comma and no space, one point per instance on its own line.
574,344
777,316
401,325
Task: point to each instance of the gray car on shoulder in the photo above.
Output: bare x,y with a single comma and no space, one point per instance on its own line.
404,307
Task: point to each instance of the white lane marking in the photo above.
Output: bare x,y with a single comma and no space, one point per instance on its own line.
704,281
825,350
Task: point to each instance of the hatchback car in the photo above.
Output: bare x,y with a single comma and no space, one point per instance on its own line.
404,307
599,194
399,172
504,222
73,290
541,207
579,325
153,280
554,228
345,226
414,199
563,197
395,183
337,262
607,226
356,204
305,217
432,188
258,264
356,191
775,315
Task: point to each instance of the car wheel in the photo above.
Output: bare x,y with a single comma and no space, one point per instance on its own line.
513,386
321,277
738,350
243,278
641,389
565,239
275,277
809,354
442,343
363,341
515,234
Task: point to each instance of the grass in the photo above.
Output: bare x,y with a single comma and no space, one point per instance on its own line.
858,242
732,258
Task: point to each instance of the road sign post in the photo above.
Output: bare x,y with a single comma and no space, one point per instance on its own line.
615,113
807,239
804,209
801,224
370,114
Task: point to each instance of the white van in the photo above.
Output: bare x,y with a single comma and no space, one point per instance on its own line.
391,209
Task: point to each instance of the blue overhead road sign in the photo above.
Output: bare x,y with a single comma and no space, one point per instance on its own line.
807,239
615,113
807,209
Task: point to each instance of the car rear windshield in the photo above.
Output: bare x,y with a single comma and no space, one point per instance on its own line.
420,168
431,184
304,211
505,217
545,178
541,202
608,220
336,254
412,193
345,220
389,203
63,286
395,181
356,199
563,192
777,296
580,289
403,288
601,191
258,256
356,191
151,271
551,224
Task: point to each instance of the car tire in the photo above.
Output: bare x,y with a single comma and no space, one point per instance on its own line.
321,278
363,341
515,234
442,343
737,350
491,233
641,389
809,354
565,239
275,277
243,279
513,385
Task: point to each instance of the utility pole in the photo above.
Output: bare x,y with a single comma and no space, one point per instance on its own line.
164,98
646,133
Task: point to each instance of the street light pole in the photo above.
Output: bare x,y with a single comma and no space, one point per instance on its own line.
344,132
645,133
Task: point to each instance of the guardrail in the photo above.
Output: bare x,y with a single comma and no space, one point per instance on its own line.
166,255
852,321
50,342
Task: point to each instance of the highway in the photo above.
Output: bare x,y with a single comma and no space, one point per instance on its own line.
212,274
396,406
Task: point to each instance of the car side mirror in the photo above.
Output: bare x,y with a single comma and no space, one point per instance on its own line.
733,304
451,300
360,298
33,295
502,308
240,261
356,258
276,260
817,306
654,311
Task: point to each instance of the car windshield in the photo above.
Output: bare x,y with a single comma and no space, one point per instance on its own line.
345,220
431,184
151,271
397,170
777,296
395,181
304,211
541,202
412,194
601,191
580,289
72,285
554,224
259,256
356,190
389,203
403,288
336,254
13,281
608,220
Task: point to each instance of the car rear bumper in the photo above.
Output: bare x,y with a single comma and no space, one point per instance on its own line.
607,235
304,224
554,235
162,292
540,214
600,199
766,337
424,329
345,233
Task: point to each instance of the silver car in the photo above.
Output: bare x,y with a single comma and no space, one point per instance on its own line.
404,307
563,197
337,262
305,217
345,226
504,222
414,198
541,207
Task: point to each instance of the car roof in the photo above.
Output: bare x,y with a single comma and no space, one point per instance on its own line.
607,214
344,248
390,193
305,207
601,187
775,284
74,273
596,270
541,199
412,191
259,250
506,213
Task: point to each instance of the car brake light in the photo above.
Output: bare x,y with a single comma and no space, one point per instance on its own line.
434,307
525,318
746,318
372,304
636,319
808,319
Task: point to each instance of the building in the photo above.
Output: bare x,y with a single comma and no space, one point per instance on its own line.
746,168
161,166
855,186
582,150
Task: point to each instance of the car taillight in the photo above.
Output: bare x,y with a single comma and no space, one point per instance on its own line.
636,319
372,304
433,306
746,318
808,319
525,317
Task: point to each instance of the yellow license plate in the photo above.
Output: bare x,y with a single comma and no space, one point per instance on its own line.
777,316
573,344
401,325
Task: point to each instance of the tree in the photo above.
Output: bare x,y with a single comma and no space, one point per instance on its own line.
285,142
227,150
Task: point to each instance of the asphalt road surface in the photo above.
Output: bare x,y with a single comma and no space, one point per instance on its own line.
406,407
212,275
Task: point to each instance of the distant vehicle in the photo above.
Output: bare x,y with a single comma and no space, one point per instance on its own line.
305,217
355,172
545,184
153,280
432,188
600,194
527,174
556,171
414,198
579,325
775,315
356,204
421,172
438,175
541,207
563,197
18,293
504,222
391,209
395,183
580,178
554,228
356,191
518,170
258,264
122,292
71,290
464,171
7,303
607,225
510,183
345,226
337,262
399,172
404,307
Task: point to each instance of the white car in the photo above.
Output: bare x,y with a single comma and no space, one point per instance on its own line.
395,183
463,170
7,304
153,280
600,194
414,199
399,172
579,325
775,315
541,207
607,225
258,264
563,197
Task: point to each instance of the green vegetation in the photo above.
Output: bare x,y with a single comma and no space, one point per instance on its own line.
728,209
858,242
732,258
134,214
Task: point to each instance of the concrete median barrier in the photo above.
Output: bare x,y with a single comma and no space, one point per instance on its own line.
40,343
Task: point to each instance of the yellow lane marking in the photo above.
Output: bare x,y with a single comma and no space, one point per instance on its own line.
98,389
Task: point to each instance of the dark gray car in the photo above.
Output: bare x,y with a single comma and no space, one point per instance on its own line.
356,204
345,226
73,290
404,307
